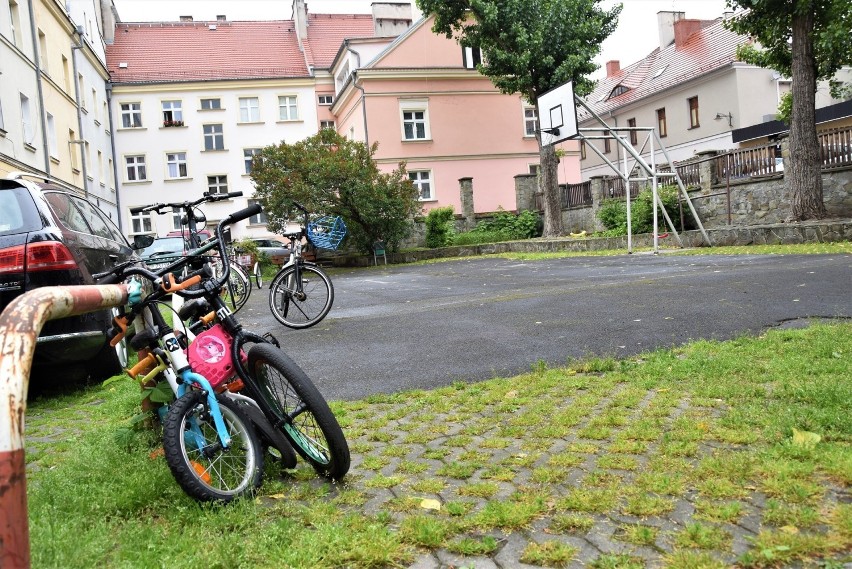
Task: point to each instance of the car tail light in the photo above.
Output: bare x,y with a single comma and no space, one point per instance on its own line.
49,256
12,259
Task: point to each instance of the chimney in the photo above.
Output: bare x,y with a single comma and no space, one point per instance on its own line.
391,18
186,18
665,25
221,18
683,29
612,67
300,20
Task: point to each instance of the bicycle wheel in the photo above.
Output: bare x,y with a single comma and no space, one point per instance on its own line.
300,307
238,287
293,403
258,276
203,468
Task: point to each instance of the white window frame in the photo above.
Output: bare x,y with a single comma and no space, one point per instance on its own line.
248,156
420,178
471,57
214,136
325,100
530,120
260,218
328,124
27,120
15,22
131,115
177,215
176,166
133,163
174,109
218,106
249,109
288,107
52,142
217,184
141,223
342,76
408,110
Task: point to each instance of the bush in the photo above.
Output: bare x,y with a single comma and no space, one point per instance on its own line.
439,227
525,225
613,212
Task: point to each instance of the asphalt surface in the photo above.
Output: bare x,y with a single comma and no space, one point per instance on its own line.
407,327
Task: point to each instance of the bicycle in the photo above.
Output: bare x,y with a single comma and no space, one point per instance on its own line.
239,283
301,293
281,401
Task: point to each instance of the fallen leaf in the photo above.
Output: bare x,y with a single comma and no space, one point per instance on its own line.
276,496
511,394
790,529
157,453
805,439
430,504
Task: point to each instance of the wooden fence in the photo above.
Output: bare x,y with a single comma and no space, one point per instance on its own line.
836,147
570,195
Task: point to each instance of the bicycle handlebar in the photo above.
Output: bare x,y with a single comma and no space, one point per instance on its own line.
206,197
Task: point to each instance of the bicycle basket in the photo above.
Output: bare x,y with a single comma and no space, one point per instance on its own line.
327,232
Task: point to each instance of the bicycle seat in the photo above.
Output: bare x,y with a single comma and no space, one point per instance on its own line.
193,309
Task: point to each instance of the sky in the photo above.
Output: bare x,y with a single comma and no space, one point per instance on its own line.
635,37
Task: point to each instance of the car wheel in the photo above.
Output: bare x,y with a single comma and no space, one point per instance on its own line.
110,360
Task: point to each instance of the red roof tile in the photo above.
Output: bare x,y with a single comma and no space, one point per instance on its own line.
191,51
326,33
708,49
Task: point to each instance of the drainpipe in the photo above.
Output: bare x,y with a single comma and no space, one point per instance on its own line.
82,139
114,157
363,96
20,324
40,89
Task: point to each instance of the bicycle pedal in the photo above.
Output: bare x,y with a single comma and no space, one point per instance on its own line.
271,339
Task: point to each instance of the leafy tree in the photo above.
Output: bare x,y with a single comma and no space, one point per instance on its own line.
807,40
331,175
530,47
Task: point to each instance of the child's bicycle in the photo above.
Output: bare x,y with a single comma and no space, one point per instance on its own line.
228,382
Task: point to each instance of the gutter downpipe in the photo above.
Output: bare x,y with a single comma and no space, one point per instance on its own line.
42,110
363,95
20,324
82,139
114,158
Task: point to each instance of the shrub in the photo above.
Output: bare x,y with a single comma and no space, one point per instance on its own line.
613,212
439,227
525,225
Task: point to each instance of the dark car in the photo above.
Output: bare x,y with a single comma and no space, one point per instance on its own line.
52,236
163,251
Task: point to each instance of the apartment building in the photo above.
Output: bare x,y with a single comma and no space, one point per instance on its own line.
54,120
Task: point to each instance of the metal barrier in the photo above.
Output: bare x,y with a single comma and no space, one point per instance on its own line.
20,324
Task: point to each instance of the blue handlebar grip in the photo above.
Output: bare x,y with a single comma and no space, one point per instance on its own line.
134,292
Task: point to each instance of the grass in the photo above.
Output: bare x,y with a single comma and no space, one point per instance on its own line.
706,429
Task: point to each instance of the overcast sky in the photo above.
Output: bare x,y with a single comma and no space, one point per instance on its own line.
635,37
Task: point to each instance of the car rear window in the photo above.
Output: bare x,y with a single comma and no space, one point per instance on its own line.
18,212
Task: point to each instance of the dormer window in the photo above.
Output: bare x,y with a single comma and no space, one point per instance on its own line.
619,90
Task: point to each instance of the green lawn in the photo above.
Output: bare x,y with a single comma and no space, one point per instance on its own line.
713,435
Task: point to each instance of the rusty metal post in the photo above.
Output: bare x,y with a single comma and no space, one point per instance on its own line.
20,324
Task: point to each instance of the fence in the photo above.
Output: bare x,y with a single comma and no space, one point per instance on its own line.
570,195
835,147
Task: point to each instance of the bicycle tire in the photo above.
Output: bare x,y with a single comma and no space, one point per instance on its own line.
295,405
301,311
200,471
238,287
258,276
270,437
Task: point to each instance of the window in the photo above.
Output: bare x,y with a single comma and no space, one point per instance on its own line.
422,180
662,129
101,177
52,146
534,169
131,115
68,214
42,48
325,99
2,124
634,138
211,104
259,219
80,86
327,124
582,150
249,109
248,156
177,217
607,148
172,113
136,171
213,137
341,77
415,119
471,57
287,109
176,164
217,184
27,120
66,75
618,90
693,112
110,174
141,222
95,222
95,103
530,121
15,23
73,151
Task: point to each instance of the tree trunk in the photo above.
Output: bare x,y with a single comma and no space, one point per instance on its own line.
549,181
805,174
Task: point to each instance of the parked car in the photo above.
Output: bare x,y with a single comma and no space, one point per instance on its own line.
163,251
52,236
277,250
203,235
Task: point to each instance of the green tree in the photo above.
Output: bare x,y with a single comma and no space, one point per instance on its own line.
530,47
331,175
807,40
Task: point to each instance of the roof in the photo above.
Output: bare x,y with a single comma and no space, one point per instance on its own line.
193,51
710,48
326,33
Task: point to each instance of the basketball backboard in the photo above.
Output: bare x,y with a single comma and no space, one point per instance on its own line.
557,114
